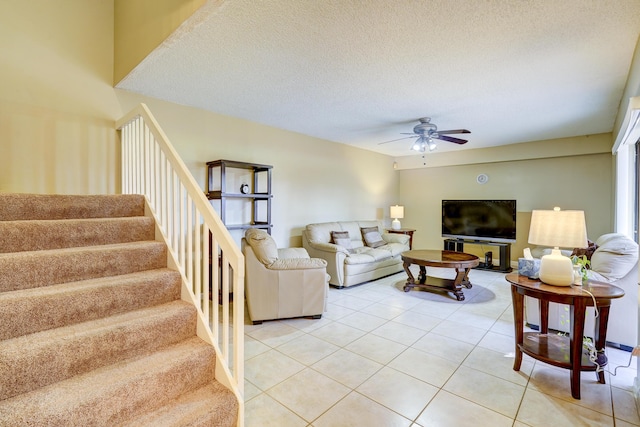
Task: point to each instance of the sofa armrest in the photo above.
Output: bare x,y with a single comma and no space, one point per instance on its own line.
287,253
333,254
328,247
297,264
396,238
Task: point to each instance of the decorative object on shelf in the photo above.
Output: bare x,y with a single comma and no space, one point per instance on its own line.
244,188
482,178
557,229
580,267
396,212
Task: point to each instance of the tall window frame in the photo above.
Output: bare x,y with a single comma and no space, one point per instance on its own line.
627,173
636,204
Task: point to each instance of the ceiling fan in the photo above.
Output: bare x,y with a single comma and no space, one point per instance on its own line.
426,133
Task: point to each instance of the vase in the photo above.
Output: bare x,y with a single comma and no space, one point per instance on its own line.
577,275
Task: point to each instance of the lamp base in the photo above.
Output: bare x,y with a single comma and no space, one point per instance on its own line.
556,269
395,224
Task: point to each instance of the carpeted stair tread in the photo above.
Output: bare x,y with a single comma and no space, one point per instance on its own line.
211,405
24,270
93,330
36,360
114,394
19,236
57,206
32,310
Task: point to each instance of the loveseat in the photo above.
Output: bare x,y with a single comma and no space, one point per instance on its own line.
614,260
355,251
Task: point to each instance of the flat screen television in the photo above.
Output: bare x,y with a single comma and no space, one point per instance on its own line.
487,220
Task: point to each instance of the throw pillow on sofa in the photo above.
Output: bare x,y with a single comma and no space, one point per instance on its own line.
341,238
372,237
588,251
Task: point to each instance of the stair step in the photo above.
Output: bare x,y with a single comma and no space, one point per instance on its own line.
32,310
211,405
24,270
92,328
114,394
27,362
57,206
20,236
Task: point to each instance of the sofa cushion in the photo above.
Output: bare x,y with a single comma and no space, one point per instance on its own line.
321,232
367,254
395,248
341,238
372,237
615,256
359,258
263,245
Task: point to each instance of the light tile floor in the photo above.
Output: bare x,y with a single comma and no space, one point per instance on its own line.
383,357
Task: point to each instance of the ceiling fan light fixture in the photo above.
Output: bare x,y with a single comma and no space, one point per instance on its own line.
418,144
427,136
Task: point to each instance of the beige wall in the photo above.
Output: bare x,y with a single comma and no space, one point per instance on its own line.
140,27
574,182
58,107
57,104
313,180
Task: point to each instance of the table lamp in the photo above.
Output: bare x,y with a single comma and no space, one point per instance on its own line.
558,229
396,212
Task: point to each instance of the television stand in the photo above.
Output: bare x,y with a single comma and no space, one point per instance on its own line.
457,245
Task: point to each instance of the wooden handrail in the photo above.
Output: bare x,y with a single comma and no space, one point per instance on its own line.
194,234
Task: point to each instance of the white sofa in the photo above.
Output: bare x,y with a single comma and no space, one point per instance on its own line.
282,283
615,261
353,262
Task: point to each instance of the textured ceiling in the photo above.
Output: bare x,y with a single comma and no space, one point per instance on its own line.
360,72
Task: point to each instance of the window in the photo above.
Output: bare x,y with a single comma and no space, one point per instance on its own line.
627,181
636,198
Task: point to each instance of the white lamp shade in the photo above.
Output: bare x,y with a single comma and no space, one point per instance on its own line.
560,229
396,212
556,228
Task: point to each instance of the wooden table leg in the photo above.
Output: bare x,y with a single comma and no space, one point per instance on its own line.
462,278
422,276
518,322
411,281
544,317
600,339
577,315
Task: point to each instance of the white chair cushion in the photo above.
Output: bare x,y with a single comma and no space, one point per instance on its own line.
615,256
263,245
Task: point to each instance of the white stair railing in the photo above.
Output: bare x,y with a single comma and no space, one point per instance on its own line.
195,236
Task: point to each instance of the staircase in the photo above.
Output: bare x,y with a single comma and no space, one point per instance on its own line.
92,328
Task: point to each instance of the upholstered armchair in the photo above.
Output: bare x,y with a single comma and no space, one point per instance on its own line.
282,283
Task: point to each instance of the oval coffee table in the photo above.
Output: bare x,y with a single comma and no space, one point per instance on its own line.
424,258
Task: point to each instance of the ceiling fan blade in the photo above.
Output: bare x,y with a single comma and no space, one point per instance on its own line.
453,131
399,139
451,139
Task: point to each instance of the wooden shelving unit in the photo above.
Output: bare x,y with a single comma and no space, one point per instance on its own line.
238,209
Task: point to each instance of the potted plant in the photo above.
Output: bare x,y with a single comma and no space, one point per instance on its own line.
580,266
